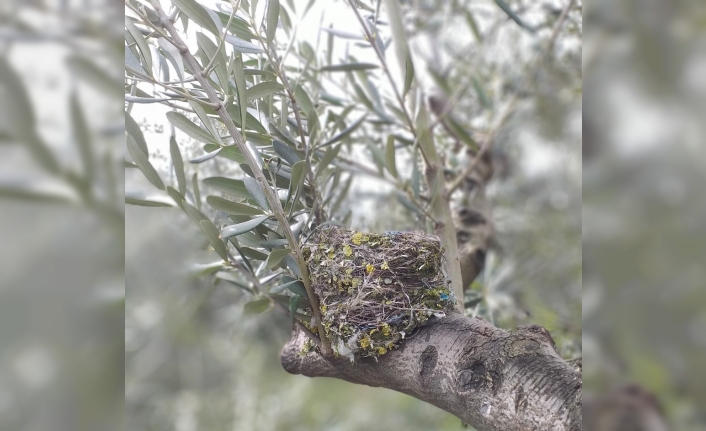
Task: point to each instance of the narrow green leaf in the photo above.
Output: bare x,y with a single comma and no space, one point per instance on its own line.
133,129
231,207
295,286
348,67
263,89
187,126
280,134
211,232
274,243
394,15
197,192
276,257
481,94
143,163
233,279
343,34
327,158
292,264
197,13
201,113
141,43
173,56
253,254
243,46
390,156
293,306
176,196
303,100
297,180
241,228
470,19
195,214
257,306
241,91
147,202
272,18
513,16
178,164
228,185
409,75
345,132
220,64
286,152
206,156
251,123
83,137
254,189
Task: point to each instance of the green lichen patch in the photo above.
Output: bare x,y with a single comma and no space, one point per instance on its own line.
375,289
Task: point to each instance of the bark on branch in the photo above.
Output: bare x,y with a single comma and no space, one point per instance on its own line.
488,377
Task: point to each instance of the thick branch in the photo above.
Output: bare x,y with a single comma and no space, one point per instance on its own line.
488,377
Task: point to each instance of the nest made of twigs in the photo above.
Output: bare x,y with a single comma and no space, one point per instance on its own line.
375,289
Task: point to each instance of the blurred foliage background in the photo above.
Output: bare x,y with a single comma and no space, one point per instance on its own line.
643,203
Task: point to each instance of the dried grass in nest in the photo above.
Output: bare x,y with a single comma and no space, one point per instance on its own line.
375,289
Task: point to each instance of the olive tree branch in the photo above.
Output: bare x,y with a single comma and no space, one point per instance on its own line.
239,142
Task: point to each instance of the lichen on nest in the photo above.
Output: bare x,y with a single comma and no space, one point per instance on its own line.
375,289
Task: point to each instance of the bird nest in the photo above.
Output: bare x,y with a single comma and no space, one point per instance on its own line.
375,289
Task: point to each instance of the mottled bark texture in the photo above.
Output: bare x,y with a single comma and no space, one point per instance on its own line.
490,378
472,218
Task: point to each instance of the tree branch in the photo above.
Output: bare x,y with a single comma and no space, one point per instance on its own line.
272,199
490,378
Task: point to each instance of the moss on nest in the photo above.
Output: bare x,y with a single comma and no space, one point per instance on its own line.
375,289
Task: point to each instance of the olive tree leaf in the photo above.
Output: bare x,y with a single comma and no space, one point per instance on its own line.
197,192
211,232
257,306
201,113
206,156
178,164
326,159
187,126
390,156
228,185
345,132
254,189
143,163
173,55
241,228
197,13
133,129
400,38
294,286
348,67
286,152
243,46
276,256
293,306
241,90
263,89
141,43
231,207
303,99
272,18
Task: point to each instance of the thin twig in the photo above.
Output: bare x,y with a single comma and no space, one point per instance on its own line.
371,40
